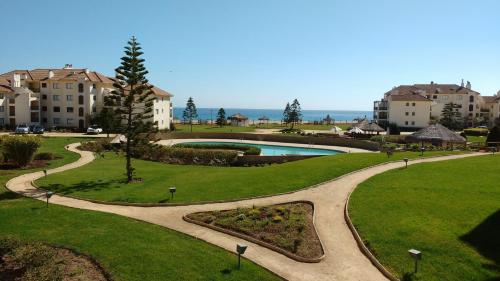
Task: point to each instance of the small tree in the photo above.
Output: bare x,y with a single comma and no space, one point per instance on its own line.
286,114
20,149
221,117
295,113
133,99
328,120
108,119
494,136
190,113
450,117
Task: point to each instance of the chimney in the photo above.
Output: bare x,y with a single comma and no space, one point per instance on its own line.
469,86
462,85
87,70
68,66
51,74
432,82
16,80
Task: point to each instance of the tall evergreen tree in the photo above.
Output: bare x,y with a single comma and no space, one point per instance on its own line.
451,117
190,113
295,113
221,117
133,101
286,114
107,119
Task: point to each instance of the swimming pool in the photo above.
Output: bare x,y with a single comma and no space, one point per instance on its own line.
277,150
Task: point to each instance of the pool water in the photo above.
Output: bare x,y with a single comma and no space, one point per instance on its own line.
278,150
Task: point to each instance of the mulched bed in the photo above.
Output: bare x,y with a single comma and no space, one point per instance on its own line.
287,226
40,262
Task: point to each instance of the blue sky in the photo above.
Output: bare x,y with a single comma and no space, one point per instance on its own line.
262,53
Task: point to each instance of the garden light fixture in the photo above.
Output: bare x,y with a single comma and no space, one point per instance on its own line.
416,255
172,191
240,249
48,194
422,149
406,162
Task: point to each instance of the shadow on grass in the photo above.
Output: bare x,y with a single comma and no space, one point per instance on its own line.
7,195
83,186
485,239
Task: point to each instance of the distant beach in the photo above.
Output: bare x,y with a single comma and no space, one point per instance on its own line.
207,114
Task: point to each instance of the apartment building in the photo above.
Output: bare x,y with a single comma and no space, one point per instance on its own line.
65,97
415,106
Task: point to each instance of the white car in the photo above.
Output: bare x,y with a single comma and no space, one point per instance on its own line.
22,129
94,130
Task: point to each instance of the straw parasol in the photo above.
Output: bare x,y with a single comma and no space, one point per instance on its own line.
238,117
355,130
263,119
436,134
370,127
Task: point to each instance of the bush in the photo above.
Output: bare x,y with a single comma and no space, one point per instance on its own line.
45,156
186,156
20,149
99,146
476,132
291,131
247,149
394,129
277,219
494,135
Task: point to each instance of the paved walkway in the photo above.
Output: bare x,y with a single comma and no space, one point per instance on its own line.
343,260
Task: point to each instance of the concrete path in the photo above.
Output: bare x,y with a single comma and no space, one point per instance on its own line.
170,142
343,261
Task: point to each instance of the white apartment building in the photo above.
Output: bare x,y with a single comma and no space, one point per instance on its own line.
415,106
65,97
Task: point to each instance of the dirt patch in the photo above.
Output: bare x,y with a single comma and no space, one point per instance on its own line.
36,261
286,226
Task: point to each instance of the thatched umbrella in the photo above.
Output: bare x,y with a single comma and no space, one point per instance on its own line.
238,117
264,119
436,134
370,127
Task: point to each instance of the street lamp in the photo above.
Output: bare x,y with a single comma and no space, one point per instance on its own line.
48,194
172,191
406,162
240,249
416,255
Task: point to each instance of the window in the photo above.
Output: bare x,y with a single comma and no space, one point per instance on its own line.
56,109
80,111
157,100
162,110
471,107
407,104
69,109
35,118
434,96
44,97
406,122
44,120
2,96
445,97
69,121
407,113
460,97
94,109
80,88
44,85
2,109
2,122
94,97
471,99
80,99
94,86
55,97
413,114
12,110
44,108
413,104
157,111
69,86
56,121
55,86
12,100
69,98
413,123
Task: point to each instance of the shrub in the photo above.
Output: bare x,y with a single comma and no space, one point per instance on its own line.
277,219
247,149
494,135
20,149
291,131
394,129
181,155
476,132
100,145
45,156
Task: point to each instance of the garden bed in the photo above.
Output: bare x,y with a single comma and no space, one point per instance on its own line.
285,228
37,261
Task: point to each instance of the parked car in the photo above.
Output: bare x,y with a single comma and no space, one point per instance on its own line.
22,129
37,129
94,130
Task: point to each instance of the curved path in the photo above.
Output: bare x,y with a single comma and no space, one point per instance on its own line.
344,261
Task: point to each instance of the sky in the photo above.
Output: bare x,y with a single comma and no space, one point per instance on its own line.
330,55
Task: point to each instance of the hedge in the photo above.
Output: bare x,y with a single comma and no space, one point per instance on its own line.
186,156
247,150
316,140
476,132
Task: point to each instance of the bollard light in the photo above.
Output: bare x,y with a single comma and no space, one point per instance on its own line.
172,191
493,150
45,173
416,255
240,249
406,162
422,149
48,194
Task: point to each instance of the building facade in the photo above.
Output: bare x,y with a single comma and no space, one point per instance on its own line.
66,97
416,106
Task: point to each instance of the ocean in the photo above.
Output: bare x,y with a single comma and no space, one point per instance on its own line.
277,114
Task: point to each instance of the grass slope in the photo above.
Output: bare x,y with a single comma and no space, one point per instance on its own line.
103,178
129,249
449,210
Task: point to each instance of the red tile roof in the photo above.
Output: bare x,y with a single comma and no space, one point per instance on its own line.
491,99
409,97
430,89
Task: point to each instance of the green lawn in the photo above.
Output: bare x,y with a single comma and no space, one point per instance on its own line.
449,210
129,249
480,139
103,178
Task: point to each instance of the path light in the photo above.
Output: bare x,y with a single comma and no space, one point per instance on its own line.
45,172
240,249
416,255
493,150
422,149
172,191
48,194
406,162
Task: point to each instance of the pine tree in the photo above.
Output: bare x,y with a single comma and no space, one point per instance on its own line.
107,119
295,113
190,113
221,117
133,101
286,114
450,117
